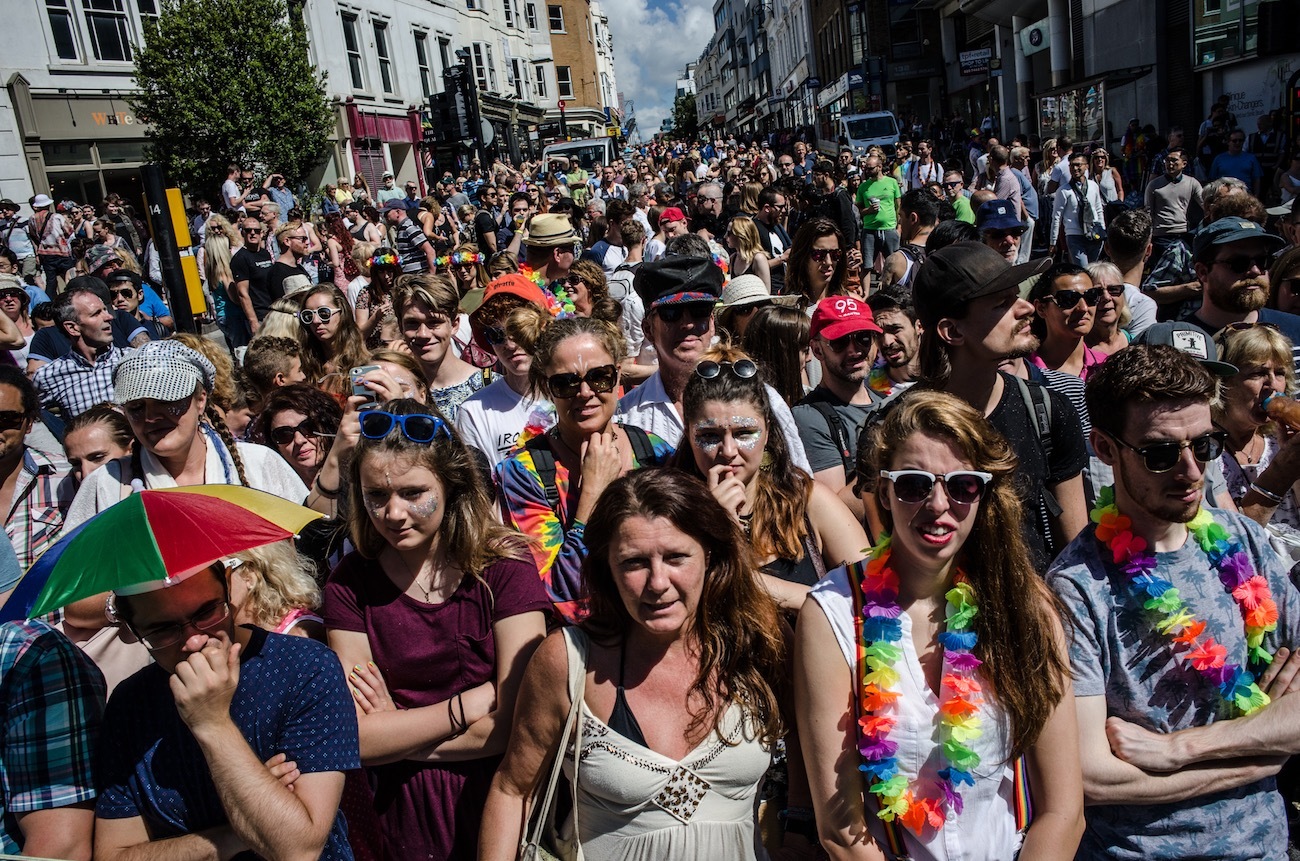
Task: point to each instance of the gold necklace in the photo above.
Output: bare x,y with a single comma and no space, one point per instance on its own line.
415,578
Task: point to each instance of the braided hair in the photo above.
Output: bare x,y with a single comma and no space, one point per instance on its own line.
218,424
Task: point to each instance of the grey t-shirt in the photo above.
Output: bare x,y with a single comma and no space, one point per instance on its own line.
823,451
1115,651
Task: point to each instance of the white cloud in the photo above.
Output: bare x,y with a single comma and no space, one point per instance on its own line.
652,45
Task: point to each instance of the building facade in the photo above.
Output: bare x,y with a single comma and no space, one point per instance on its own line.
583,52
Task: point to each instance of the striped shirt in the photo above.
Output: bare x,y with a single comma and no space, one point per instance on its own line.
41,498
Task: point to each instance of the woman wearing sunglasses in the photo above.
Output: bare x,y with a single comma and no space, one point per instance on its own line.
434,618
428,312
549,487
1066,304
331,342
508,323
1109,331
929,670
1262,357
796,527
300,422
818,266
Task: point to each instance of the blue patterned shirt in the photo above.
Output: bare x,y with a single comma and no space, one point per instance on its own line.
73,385
1116,652
53,700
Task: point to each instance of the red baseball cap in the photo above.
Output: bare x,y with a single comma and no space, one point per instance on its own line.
837,316
672,213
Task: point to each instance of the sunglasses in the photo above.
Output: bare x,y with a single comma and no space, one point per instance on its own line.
251,230
1242,325
1067,299
418,428
915,485
308,315
285,434
175,409
1243,263
600,380
1114,291
863,340
494,335
1164,456
698,311
996,233
743,369
820,254
123,293
11,420
298,238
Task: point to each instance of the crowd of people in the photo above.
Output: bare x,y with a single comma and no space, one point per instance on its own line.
724,501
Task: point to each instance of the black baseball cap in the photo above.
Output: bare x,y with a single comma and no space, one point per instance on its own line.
963,271
678,280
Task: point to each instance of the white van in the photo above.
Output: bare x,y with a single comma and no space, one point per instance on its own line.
863,131
588,152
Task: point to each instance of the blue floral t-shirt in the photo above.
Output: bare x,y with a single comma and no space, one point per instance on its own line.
1116,651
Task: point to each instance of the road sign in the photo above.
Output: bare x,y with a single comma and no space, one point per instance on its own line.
561,105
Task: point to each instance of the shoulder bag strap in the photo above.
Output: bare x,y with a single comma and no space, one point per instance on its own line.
544,463
642,449
839,435
539,815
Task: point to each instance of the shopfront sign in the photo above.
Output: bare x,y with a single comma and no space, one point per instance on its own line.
975,62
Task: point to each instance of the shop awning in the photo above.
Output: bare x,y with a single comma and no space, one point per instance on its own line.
1113,78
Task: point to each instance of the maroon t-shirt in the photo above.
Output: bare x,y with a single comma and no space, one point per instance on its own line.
427,653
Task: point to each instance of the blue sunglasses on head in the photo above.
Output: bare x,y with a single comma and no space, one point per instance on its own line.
377,424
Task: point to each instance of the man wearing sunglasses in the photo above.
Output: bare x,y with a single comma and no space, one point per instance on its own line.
1171,769
551,245
1232,260
250,267
679,292
845,341
191,733
1001,228
967,300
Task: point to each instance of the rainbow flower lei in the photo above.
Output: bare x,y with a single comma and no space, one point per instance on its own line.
878,380
459,257
559,304
879,635
1249,589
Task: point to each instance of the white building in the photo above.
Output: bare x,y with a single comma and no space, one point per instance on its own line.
790,52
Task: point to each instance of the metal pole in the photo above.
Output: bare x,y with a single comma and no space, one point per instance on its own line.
154,185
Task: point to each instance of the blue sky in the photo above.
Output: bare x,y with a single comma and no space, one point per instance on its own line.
653,42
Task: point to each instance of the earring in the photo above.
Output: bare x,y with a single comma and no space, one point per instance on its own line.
766,463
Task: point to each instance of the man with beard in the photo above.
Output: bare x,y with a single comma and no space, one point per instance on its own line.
708,212
844,339
1179,741
899,364
679,292
972,317
1232,265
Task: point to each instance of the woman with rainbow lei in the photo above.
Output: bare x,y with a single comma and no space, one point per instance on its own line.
951,651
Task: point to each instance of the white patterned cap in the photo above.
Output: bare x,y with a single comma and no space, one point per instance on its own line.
162,371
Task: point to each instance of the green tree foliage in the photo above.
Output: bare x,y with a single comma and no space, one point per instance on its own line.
685,123
224,81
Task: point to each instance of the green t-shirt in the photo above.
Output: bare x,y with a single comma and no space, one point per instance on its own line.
578,186
886,188
962,207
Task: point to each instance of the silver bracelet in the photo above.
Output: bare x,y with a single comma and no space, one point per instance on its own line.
1267,494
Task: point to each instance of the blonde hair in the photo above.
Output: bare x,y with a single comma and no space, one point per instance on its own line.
361,253
223,388
282,320
217,248
280,580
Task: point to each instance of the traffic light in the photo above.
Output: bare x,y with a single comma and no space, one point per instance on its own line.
448,113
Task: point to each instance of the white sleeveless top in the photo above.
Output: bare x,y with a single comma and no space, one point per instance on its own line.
638,805
985,830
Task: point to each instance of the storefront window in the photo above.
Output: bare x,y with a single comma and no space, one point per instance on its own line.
1224,30
1078,113
64,153
121,152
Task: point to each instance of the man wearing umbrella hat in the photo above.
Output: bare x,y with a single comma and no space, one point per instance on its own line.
193,732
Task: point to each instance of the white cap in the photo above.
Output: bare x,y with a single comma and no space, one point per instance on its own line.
41,201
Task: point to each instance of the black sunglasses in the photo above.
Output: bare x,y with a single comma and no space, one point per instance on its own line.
744,369
1163,456
820,254
123,292
1067,299
698,311
284,434
494,335
915,485
419,428
862,339
1242,263
600,380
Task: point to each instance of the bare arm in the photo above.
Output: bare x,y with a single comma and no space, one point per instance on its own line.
544,699
389,735
1074,509
58,832
839,532
431,255
832,479
128,840
246,304
1166,294
1108,779
823,688
10,337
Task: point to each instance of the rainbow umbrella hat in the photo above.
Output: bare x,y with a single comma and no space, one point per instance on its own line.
154,535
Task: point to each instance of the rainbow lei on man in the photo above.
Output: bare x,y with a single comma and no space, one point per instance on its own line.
1249,589
559,304
878,379
880,632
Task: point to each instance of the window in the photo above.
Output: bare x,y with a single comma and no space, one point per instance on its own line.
148,15
381,52
471,4
62,28
422,61
510,15
530,10
555,14
517,71
1213,7
541,80
106,22
444,53
352,44
484,71
563,82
